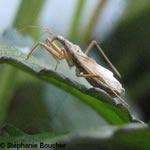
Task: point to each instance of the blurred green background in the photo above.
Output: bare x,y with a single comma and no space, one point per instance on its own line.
121,28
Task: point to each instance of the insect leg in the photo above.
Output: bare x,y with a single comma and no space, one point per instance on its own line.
55,47
37,27
63,52
49,49
89,75
57,55
121,99
51,43
68,59
104,55
56,64
92,75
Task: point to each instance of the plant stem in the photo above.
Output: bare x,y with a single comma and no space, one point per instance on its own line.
28,14
7,84
88,31
74,32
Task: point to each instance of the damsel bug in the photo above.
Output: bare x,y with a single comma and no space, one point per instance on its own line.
94,73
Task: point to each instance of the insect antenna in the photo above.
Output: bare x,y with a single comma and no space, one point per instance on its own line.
38,27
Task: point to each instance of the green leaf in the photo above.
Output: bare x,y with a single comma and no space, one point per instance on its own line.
97,99
25,16
9,75
131,136
11,131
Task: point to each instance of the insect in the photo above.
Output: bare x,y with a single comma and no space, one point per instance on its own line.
86,67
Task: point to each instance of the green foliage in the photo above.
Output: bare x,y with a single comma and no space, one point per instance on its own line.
6,89
109,137
28,15
90,27
75,28
9,76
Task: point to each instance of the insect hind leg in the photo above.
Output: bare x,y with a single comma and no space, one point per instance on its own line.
121,99
104,55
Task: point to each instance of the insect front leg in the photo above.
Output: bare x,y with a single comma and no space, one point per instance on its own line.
63,51
104,55
68,59
53,52
57,55
52,44
89,75
57,49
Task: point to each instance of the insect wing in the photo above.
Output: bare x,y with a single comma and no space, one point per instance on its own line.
92,67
